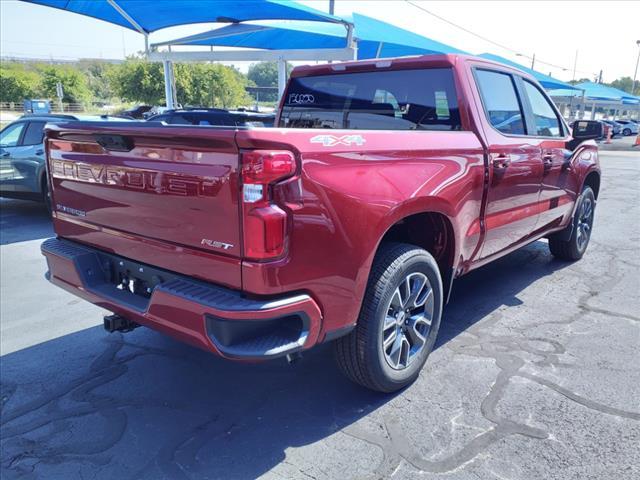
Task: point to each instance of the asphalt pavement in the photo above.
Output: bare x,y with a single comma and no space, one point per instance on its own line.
536,375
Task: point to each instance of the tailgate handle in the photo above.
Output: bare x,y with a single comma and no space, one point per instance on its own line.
115,143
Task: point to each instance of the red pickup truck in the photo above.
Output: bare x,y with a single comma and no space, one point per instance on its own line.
384,181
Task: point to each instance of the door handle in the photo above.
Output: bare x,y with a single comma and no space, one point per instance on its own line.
501,161
39,152
5,154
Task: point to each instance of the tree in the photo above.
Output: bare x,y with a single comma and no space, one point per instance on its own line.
210,85
17,83
137,80
196,84
74,83
97,78
624,83
581,80
265,74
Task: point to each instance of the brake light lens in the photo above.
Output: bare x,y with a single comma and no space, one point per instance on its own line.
264,222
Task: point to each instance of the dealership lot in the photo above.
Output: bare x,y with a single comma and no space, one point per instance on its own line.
536,375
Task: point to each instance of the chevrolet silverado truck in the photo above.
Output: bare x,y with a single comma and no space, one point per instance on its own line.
382,183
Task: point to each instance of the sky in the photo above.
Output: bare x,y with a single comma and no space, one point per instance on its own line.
604,33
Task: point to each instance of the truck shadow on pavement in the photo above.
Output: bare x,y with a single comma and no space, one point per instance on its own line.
23,220
141,405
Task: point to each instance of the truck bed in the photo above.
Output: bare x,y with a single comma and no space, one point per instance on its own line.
167,196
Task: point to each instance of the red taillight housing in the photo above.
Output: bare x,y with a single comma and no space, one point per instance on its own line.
264,222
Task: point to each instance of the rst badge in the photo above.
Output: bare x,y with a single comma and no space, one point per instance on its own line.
333,140
216,244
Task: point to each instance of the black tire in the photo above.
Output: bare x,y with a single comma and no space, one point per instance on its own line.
626,132
574,248
361,355
46,195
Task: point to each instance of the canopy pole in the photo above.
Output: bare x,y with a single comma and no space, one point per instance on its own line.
282,77
127,17
169,85
582,105
351,43
133,23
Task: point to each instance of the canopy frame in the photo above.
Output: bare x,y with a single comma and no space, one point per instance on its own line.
133,23
169,56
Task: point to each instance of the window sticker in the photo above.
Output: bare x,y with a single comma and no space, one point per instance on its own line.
301,98
442,105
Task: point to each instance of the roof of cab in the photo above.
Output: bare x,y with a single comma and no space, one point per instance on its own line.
414,61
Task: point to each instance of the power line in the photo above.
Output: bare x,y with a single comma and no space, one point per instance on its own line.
477,35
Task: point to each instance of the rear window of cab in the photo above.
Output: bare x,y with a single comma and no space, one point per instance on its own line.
423,99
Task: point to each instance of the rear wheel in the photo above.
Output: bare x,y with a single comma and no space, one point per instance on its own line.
626,132
398,323
46,194
574,248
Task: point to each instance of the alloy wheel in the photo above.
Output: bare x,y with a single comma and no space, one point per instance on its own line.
585,222
408,320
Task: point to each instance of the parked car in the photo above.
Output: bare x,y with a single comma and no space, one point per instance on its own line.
349,224
214,116
22,170
136,112
615,126
629,127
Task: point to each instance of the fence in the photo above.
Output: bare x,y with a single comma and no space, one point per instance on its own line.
55,106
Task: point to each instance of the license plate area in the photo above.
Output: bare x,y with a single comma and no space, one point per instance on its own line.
133,277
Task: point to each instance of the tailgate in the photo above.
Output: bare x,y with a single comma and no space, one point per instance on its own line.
163,195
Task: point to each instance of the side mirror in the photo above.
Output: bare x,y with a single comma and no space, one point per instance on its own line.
585,130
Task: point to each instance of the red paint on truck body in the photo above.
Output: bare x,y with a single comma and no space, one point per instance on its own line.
156,203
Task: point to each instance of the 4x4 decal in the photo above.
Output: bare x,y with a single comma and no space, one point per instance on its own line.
333,140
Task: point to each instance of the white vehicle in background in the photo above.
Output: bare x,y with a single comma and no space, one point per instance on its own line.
629,127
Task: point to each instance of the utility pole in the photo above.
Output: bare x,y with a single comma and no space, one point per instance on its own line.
533,61
575,64
332,6
600,77
635,74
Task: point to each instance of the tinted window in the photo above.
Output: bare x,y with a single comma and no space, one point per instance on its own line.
179,119
381,100
10,135
34,134
547,123
501,102
160,118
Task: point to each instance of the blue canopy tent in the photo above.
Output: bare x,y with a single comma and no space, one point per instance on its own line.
147,16
545,80
599,95
599,91
375,39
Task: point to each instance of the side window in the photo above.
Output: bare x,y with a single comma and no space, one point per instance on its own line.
501,102
34,134
180,119
10,136
546,120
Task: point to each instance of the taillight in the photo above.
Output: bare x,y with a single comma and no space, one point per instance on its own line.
264,222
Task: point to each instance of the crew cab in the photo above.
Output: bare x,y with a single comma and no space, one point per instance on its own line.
383,182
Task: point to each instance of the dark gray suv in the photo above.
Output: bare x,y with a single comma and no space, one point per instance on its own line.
22,171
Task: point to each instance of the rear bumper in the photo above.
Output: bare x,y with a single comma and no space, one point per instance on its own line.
208,316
